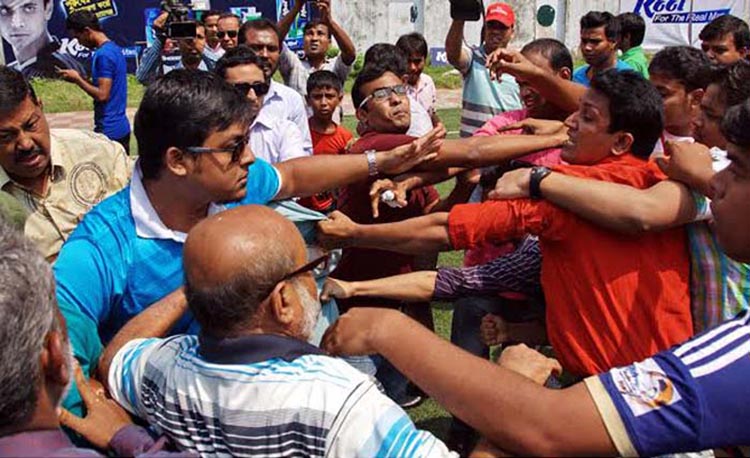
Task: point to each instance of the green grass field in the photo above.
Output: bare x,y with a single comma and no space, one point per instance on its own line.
58,96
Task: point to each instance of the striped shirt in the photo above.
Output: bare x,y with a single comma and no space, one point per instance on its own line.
483,98
261,395
518,271
720,286
689,398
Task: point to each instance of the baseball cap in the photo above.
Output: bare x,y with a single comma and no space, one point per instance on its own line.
501,12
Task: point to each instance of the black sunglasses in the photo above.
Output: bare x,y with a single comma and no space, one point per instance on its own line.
236,150
230,33
260,89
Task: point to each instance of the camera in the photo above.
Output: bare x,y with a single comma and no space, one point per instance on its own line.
466,10
179,25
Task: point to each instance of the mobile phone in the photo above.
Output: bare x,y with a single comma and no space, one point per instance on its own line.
181,30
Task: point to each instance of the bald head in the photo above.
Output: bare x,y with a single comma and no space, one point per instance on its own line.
233,260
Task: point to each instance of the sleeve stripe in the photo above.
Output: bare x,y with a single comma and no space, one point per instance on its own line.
610,416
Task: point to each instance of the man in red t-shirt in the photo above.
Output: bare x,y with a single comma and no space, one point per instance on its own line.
611,299
324,95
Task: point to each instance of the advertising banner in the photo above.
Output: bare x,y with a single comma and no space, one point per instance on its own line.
35,40
678,22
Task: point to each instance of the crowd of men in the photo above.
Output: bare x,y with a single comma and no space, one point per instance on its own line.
257,281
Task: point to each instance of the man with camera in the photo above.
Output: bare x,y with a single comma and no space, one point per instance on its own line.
483,97
192,49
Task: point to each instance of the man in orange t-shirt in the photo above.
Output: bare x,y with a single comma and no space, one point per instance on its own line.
611,299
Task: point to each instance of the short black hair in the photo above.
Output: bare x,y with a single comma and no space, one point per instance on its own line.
688,65
724,25
735,123
596,19
79,20
227,15
413,43
635,106
13,90
733,82
234,57
181,109
555,51
368,73
388,56
210,13
259,24
315,23
323,79
632,24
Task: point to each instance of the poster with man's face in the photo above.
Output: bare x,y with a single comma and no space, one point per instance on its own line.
35,41
33,50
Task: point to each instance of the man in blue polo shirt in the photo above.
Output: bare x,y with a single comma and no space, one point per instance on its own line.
600,32
109,84
191,129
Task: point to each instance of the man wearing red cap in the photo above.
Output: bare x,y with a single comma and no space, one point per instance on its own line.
483,97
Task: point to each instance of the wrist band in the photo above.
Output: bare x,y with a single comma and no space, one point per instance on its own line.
372,165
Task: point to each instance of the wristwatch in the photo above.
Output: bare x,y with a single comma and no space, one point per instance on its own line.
537,175
372,165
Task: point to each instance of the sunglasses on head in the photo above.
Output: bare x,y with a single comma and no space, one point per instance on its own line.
313,266
230,33
260,89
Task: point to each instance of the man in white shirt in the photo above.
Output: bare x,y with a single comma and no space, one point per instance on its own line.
316,43
262,37
272,138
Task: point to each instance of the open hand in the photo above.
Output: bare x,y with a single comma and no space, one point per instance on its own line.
404,158
536,127
336,231
511,62
104,416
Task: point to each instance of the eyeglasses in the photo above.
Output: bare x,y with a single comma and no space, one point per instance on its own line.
235,150
260,89
230,33
318,263
383,93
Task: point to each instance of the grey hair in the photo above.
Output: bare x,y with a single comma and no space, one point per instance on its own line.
225,310
27,314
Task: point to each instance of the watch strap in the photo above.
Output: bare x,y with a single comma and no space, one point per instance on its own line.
535,181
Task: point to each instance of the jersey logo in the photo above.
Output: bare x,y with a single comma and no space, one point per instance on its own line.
645,387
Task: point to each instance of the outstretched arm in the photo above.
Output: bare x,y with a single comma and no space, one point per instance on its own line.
419,235
285,23
306,176
346,45
411,287
476,152
155,321
454,50
510,410
615,206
